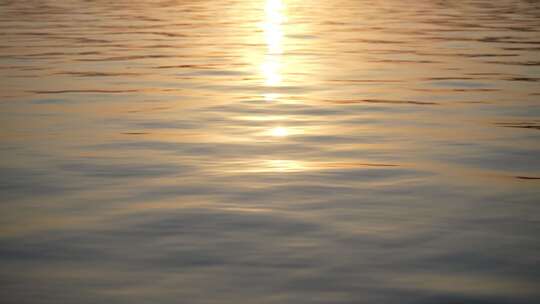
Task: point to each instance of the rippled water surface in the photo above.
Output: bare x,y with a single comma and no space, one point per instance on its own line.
269,151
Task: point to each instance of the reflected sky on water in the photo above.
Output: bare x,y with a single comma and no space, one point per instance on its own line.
276,151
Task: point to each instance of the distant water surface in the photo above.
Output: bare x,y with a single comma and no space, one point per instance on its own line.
269,151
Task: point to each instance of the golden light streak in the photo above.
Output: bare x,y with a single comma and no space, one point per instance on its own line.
279,132
273,32
270,69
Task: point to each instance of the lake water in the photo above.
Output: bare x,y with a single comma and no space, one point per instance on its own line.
270,151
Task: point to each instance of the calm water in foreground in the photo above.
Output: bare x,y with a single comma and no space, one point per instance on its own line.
269,151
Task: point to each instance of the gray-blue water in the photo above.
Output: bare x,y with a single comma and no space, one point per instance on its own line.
269,151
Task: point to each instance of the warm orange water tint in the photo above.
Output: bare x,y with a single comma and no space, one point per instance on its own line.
278,151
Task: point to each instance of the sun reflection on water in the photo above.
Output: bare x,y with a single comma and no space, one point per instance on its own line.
275,166
271,70
273,26
283,165
279,132
273,32
270,96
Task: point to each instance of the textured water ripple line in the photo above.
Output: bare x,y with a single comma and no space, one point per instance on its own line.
279,150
